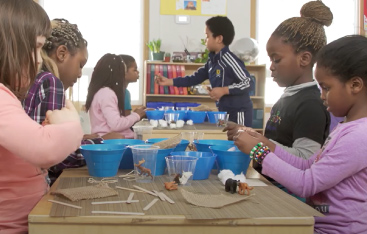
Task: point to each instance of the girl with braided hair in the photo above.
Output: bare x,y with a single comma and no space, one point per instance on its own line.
26,148
105,99
64,55
299,122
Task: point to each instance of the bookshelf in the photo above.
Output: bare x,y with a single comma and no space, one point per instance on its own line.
259,71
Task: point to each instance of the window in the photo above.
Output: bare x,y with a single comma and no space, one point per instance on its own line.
271,13
110,26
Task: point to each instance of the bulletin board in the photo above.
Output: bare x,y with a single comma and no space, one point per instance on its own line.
195,7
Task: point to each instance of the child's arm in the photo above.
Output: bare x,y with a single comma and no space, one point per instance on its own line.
240,73
41,146
343,157
50,93
197,78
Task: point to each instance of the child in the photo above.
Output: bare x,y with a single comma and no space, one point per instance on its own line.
131,76
227,74
299,122
26,148
105,99
65,54
335,178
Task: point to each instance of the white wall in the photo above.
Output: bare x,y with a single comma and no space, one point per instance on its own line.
164,26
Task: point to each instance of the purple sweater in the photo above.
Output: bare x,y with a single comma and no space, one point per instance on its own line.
334,179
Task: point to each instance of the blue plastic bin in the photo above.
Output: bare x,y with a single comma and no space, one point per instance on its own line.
160,166
203,145
196,116
204,164
236,161
103,160
179,147
155,114
127,161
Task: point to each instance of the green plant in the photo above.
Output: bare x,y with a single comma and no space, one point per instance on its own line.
155,45
204,56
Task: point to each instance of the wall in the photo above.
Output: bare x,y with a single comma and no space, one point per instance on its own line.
164,26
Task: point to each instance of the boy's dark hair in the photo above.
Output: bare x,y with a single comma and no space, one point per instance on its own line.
109,72
221,25
306,33
21,22
345,58
129,60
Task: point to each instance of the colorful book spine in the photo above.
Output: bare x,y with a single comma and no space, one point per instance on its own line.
170,76
165,74
148,79
152,76
174,75
161,88
183,74
178,69
156,86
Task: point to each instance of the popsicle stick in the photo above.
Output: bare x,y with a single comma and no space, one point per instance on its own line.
151,204
113,202
115,212
65,204
147,191
129,199
167,198
159,195
129,189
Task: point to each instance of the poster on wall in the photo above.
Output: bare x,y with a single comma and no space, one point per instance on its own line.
194,7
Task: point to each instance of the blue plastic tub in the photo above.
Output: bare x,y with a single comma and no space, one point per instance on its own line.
196,116
180,147
155,114
236,161
204,164
160,166
127,161
103,160
211,117
203,145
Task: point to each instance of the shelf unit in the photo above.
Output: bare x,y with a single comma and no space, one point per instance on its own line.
259,71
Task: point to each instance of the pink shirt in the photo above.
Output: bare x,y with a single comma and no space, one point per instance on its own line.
334,180
105,116
25,148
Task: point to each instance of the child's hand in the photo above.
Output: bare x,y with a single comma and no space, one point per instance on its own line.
140,111
245,142
90,136
232,129
217,92
113,135
164,81
66,114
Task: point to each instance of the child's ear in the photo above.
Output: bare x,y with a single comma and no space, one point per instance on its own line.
305,58
219,39
61,53
356,84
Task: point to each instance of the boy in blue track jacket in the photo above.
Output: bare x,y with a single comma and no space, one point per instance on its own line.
227,74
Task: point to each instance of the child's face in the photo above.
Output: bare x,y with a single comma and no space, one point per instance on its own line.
334,93
132,74
210,42
285,67
40,42
70,68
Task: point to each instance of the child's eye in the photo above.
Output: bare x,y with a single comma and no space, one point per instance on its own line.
325,88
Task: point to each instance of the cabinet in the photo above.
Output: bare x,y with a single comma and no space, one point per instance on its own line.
258,71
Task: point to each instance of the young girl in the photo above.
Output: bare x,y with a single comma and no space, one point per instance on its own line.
25,25
105,99
299,122
335,178
131,76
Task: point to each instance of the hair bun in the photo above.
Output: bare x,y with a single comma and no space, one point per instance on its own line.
317,11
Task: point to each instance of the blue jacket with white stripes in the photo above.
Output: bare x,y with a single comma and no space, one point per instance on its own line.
223,69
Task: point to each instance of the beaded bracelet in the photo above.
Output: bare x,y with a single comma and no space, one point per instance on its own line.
255,149
261,154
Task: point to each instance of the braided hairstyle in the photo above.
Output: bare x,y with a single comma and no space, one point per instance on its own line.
63,33
109,72
306,33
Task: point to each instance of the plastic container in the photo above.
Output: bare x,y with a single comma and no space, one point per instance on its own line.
211,117
196,116
102,160
221,119
204,164
127,161
179,147
145,158
171,118
155,114
203,145
181,169
182,114
141,130
236,161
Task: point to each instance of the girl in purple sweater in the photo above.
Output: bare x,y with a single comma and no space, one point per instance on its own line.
334,179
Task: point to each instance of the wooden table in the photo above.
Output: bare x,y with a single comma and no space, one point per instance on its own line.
40,221
211,131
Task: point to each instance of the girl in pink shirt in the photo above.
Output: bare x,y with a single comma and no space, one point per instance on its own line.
27,149
334,179
105,99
